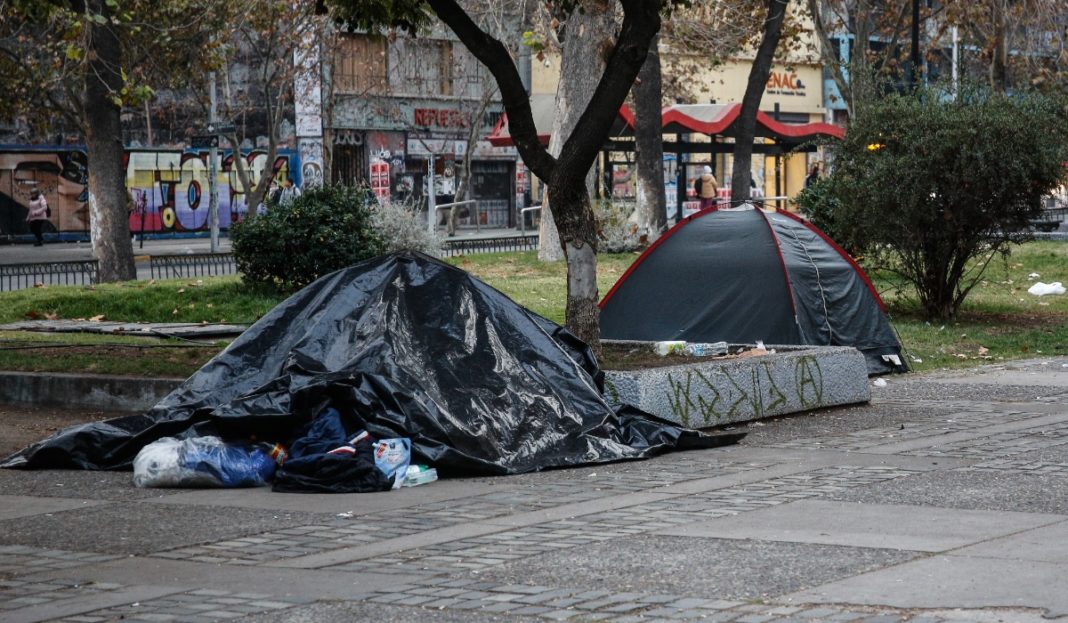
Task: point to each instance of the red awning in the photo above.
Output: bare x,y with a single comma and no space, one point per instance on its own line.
710,119
542,108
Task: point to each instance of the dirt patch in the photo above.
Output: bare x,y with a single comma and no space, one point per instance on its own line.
1004,324
21,426
625,357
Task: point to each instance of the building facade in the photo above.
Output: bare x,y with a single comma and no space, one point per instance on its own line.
404,111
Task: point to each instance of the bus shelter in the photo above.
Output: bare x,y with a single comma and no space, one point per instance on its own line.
689,131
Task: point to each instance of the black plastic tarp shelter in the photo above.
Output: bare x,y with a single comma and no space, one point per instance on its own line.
746,275
401,346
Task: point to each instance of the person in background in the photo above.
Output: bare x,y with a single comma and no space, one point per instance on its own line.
706,187
289,193
813,175
37,216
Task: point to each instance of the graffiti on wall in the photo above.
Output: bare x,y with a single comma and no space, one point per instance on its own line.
168,189
697,400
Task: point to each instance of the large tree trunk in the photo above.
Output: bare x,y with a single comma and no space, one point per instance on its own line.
109,228
754,91
578,232
587,43
649,145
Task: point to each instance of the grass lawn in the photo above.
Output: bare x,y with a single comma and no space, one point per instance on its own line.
999,320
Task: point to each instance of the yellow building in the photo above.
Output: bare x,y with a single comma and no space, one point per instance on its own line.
793,94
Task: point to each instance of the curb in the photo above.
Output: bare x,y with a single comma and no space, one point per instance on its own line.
84,391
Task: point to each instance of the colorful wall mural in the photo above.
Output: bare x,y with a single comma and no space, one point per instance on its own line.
168,188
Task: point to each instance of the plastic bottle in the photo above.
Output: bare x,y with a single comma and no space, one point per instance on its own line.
705,349
419,475
670,347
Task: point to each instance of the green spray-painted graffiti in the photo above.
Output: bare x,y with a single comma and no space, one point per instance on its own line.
706,397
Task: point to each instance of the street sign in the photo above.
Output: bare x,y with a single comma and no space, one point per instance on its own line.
204,140
221,128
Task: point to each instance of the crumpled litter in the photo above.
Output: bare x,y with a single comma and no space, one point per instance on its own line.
1042,289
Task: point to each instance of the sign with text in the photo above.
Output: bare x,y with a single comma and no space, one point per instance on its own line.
438,118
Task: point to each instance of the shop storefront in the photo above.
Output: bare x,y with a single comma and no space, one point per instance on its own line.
394,144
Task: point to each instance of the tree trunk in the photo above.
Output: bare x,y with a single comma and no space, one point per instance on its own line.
109,228
566,176
754,91
587,42
999,55
649,145
579,243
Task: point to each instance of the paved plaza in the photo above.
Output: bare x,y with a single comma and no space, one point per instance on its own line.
945,499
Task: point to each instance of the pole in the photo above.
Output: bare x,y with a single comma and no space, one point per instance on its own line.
431,209
914,80
956,43
213,191
680,179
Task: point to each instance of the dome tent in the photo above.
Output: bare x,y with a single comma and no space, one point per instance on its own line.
745,275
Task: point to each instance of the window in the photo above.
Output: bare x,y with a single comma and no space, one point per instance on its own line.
361,65
421,67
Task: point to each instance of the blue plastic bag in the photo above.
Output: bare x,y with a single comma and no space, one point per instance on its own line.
392,457
206,462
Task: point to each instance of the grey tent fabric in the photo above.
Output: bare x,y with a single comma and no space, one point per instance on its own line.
746,275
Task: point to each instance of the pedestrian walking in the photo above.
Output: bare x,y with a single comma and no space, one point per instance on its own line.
38,216
706,187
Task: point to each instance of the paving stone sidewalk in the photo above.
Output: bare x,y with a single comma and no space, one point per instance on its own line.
944,500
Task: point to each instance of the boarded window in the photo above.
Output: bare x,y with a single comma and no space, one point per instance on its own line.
421,67
361,65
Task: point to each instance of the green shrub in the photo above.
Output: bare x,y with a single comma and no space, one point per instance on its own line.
937,186
323,230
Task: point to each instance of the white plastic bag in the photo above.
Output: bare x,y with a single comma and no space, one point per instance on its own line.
1042,289
205,462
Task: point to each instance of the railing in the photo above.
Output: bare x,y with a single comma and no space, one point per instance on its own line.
490,245
522,217
450,206
19,276
192,265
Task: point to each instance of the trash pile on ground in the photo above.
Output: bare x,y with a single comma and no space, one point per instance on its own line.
400,349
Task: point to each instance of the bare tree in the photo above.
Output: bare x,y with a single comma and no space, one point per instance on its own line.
864,21
1022,42
269,44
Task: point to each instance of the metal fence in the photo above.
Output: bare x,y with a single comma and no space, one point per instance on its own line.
1050,219
490,245
192,265
19,276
